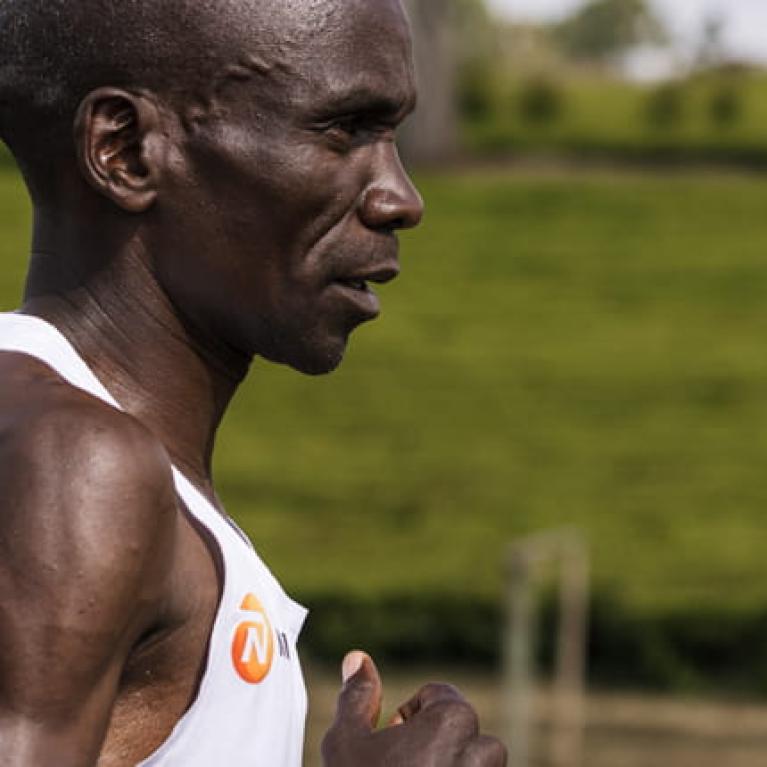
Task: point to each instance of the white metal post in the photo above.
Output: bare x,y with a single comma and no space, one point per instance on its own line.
566,549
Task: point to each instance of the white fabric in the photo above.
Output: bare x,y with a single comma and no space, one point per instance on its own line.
236,720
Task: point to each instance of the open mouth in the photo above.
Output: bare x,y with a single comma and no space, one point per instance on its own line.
361,281
355,284
357,287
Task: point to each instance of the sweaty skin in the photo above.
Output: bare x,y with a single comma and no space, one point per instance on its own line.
235,205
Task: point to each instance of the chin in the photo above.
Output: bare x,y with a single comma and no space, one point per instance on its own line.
311,359
317,368
314,350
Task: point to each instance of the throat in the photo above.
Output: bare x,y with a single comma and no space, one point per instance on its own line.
157,372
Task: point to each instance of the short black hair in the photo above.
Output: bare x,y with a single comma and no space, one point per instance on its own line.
54,52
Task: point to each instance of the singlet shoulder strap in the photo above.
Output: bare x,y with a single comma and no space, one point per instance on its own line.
30,335
33,336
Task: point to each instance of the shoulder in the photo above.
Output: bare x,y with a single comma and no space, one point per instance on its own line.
84,487
87,531
40,412
59,435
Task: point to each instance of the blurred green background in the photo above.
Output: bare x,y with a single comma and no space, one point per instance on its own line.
571,343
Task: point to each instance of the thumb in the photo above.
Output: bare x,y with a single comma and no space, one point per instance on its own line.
359,703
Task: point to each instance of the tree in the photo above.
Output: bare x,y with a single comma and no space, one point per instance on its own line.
451,38
604,29
711,49
476,59
431,134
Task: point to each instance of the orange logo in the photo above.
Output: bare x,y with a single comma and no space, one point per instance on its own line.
253,645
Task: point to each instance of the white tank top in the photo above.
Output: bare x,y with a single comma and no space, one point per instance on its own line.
251,706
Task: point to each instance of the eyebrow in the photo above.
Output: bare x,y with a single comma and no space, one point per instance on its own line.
365,99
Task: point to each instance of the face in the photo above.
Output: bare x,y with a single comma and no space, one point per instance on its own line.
289,191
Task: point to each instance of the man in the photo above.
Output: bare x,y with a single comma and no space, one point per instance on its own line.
212,180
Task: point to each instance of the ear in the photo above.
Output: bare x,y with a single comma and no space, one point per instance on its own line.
118,146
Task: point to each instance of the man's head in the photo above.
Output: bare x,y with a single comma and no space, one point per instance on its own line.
253,138
54,52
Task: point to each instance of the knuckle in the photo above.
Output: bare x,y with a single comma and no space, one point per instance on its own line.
353,698
359,688
440,691
486,752
458,716
498,753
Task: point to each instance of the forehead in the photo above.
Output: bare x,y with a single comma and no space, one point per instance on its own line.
359,35
321,52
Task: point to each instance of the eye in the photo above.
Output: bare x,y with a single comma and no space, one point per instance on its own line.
349,129
356,130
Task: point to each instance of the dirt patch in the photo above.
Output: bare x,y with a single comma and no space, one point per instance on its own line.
622,730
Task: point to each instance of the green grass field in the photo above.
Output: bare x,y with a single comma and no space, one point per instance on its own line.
582,350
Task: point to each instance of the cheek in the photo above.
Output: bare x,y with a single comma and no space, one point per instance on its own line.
268,218
281,185
307,193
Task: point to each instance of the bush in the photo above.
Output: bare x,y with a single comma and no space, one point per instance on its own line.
687,651
476,97
541,102
664,107
405,629
725,107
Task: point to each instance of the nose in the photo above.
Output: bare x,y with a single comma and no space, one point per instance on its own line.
391,201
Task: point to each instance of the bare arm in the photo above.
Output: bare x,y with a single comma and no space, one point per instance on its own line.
86,520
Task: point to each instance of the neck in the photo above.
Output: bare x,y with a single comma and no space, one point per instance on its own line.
161,369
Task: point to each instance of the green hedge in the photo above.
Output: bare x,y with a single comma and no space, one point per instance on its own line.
711,118
500,147
687,650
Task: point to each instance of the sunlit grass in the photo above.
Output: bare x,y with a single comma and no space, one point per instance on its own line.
574,350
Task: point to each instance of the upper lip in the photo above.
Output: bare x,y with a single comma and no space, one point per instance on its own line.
377,274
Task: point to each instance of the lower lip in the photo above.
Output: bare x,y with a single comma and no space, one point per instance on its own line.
365,301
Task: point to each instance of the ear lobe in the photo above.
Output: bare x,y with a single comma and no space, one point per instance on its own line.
116,133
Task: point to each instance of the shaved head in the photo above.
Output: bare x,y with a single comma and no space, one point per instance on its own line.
54,52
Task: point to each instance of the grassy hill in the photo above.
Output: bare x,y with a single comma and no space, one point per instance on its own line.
576,349
583,351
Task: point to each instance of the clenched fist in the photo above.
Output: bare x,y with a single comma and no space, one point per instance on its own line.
437,727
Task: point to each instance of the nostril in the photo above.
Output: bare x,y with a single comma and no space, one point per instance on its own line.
391,209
